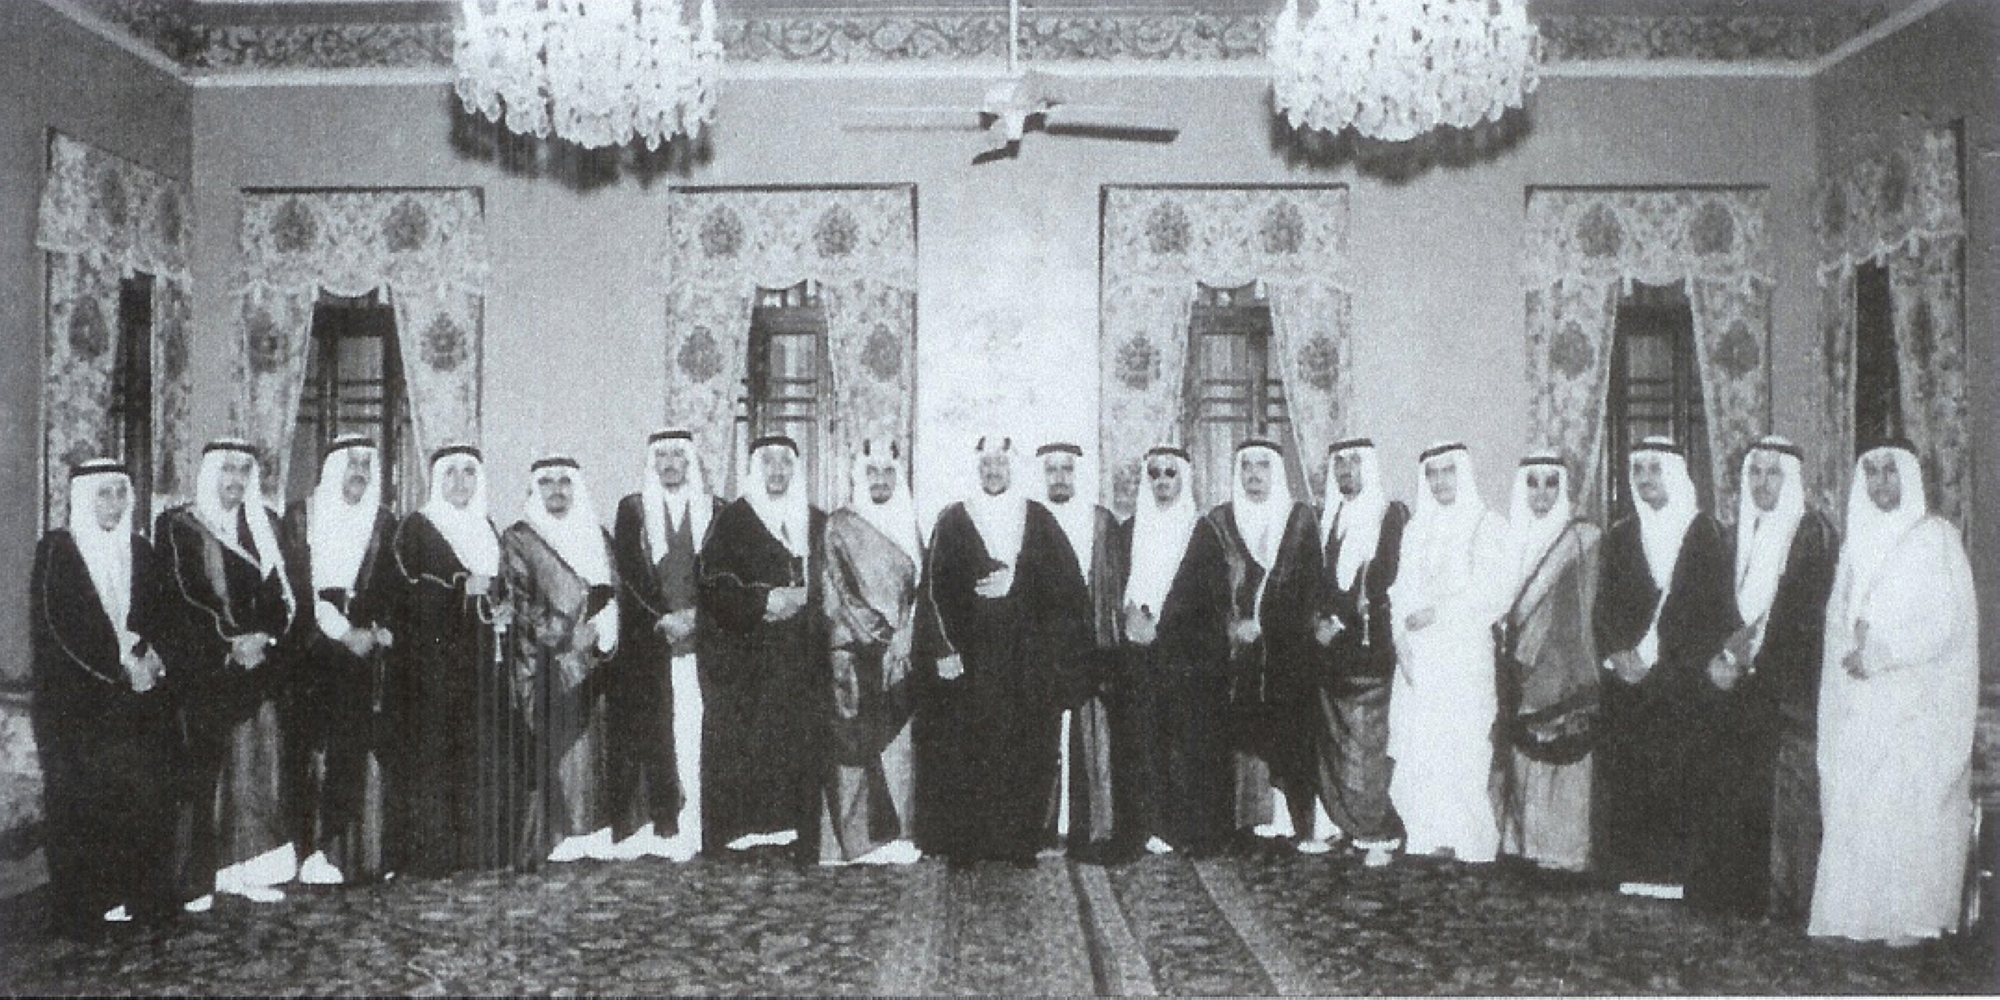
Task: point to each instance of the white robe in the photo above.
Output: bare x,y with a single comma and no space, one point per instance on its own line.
1895,748
1442,703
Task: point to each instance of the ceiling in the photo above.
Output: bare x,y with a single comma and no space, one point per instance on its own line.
235,36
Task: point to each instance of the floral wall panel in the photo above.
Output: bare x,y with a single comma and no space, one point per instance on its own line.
1904,210
426,248
1569,369
102,219
173,459
1583,246
82,343
859,244
1158,244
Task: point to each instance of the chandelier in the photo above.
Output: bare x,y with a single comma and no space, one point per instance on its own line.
1395,69
594,72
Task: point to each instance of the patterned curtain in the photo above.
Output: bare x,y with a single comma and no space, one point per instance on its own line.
1569,368
1583,247
1902,208
426,248
859,244
102,219
1159,242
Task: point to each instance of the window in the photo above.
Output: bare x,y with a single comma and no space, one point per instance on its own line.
1878,400
787,383
354,385
1233,388
130,434
1655,389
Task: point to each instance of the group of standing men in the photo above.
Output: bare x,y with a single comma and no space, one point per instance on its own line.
435,695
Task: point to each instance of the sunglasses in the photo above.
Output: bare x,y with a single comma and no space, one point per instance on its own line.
1162,472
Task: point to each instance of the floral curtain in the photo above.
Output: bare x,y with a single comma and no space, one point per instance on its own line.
103,218
1159,242
1586,245
859,244
1902,208
427,248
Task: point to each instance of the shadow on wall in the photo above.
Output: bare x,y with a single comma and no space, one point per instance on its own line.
475,137
1400,162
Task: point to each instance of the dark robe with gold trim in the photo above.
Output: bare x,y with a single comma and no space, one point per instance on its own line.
986,741
1644,794
335,709
1350,700
765,693
1791,660
107,753
1734,760
643,765
1090,695
558,692
1270,679
457,780
1176,690
229,715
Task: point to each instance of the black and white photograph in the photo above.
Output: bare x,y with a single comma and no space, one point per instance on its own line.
999,497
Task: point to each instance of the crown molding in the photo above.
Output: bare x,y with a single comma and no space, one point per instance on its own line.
843,51
117,35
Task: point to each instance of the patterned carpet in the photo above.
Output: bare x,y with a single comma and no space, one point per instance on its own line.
1260,923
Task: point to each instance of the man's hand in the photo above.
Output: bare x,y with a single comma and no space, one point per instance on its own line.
145,671
1629,668
359,641
384,638
1738,644
1328,629
783,603
249,650
503,617
1724,671
1140,626
1421,619
950,668
1856,662
1244,631
585,636
675,625
996,584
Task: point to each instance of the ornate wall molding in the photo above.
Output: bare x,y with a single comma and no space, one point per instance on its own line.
322,46
890,35
1721,38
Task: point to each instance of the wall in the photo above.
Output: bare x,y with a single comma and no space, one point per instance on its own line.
1007,250
1943,68
53,74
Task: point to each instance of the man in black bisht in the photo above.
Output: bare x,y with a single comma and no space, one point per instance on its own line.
654,709
1084,809
1274,569
1663,610
765,679
339,546
1010,605
103,728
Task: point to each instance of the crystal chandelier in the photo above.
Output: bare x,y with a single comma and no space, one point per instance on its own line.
594,72
1395,69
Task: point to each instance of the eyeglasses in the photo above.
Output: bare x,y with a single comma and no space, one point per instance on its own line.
1162,472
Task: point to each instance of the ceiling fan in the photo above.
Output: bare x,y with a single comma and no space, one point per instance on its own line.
1026,101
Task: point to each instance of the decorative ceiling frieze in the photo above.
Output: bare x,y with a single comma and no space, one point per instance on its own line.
239,37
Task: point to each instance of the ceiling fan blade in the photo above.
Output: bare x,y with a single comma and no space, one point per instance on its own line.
1005,151
1132,123
937,119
